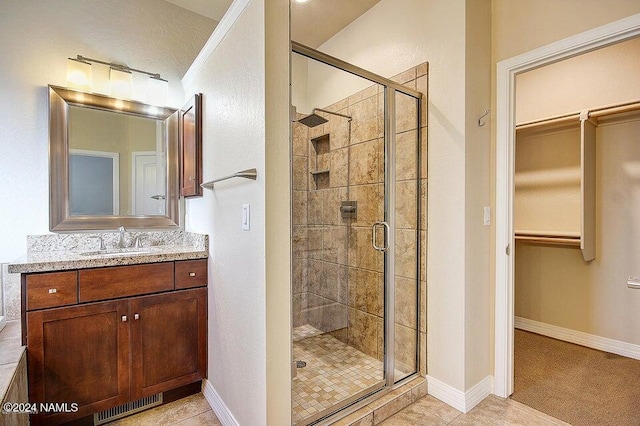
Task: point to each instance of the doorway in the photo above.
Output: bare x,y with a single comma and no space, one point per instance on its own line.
506,122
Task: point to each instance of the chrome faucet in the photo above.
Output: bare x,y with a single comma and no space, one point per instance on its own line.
121,243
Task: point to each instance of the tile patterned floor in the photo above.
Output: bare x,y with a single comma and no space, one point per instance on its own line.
491,411
193,410
334,371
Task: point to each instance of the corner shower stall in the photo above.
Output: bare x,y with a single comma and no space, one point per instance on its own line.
359,230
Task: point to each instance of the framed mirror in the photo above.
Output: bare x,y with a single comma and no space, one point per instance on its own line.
112,163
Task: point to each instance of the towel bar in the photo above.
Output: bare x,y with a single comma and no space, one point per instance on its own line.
247,174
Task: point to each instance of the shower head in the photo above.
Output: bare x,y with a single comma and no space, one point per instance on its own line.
312,120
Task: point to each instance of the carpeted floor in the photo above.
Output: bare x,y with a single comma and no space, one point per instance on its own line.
582,386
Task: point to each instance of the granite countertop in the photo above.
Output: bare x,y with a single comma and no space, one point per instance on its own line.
58,253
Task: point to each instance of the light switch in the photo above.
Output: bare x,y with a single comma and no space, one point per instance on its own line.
487,216
246,217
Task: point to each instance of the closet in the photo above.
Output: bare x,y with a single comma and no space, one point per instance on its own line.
577,196
577,230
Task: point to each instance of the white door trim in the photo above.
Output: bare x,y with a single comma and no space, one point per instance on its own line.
505,124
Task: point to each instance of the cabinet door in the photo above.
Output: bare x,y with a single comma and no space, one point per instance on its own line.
168,337
80,355
191,144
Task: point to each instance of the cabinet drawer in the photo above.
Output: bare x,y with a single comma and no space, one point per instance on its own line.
191,273
123,281
51,289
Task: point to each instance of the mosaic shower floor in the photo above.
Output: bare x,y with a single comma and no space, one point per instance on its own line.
334,372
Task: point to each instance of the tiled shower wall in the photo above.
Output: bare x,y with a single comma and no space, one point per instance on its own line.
337,277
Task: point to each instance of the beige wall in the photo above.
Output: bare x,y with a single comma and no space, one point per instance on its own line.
523,25
477,101
277,213
584,82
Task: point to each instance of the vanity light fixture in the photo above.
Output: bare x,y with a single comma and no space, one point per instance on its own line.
301,1
120,78
79,74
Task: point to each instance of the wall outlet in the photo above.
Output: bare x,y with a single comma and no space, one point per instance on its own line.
633,282
246,217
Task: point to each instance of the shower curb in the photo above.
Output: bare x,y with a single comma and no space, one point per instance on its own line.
387,405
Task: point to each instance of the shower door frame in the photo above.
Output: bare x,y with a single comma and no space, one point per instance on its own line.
390,89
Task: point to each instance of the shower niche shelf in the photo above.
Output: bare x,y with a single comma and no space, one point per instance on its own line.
319,172
321,178
322,147
321,144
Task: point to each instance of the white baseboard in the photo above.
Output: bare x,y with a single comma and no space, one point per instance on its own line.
572,336
461,401
217,405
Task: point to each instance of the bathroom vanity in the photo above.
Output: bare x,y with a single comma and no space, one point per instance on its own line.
102,330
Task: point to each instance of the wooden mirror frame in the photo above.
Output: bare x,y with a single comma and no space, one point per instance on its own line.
60,99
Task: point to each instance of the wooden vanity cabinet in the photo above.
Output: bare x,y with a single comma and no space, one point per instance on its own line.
168,336
105,353
78,354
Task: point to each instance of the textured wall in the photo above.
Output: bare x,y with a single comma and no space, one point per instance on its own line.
36,37
232,80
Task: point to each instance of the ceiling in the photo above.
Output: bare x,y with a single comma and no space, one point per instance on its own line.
316,21
214,9
312,23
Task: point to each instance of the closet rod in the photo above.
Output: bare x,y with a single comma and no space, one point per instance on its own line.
596,112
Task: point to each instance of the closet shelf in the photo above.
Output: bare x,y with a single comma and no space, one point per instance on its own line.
593,113
543,198
555,238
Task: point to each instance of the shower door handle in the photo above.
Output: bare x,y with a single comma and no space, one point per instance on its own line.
374,238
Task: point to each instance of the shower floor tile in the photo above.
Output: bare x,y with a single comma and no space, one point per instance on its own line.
305,331
334,372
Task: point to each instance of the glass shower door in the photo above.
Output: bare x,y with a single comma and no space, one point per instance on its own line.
338,275
356,192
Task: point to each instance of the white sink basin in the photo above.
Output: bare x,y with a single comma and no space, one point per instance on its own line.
119,251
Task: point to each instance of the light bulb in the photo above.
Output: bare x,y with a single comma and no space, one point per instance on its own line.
79,75
157,91
120,83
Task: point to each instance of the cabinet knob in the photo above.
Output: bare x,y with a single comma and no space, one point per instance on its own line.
136,316
124,318
53,290
192,274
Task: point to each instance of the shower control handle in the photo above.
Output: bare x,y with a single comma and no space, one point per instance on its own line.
374,237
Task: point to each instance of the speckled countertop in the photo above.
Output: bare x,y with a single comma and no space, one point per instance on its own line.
57,252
